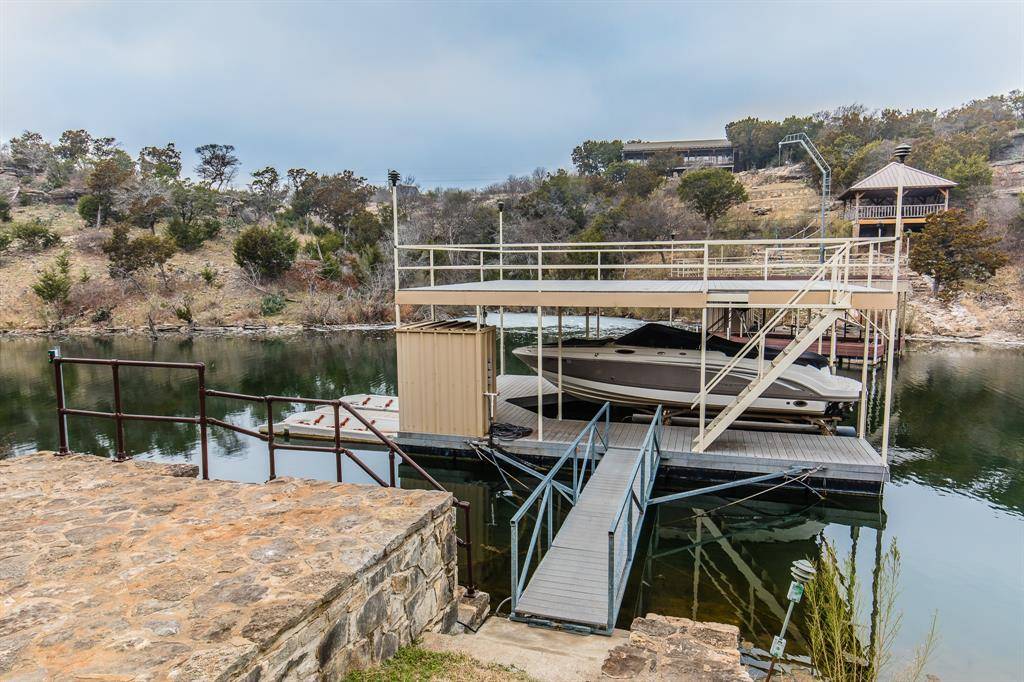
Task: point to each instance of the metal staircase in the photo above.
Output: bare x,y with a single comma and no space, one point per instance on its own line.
800,343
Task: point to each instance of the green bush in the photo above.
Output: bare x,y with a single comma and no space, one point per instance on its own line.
209,274
272,304
5,240
54,283
35,235
190,236
88,207
129,255
5,210
265,251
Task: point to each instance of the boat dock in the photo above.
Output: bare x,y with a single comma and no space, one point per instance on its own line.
847,463
453,384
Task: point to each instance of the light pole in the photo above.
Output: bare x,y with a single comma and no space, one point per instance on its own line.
802,572
501,275
393,178
826,177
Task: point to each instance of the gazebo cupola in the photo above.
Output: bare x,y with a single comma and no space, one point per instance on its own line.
871,203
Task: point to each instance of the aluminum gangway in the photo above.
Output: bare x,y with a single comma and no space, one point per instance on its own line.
582,570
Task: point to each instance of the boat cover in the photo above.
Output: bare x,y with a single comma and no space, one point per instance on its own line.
654,335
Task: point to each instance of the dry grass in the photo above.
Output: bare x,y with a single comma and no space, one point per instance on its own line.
229,299
415,664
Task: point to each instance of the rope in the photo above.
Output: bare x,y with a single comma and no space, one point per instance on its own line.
505,431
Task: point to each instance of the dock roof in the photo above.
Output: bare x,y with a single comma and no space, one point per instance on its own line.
636,293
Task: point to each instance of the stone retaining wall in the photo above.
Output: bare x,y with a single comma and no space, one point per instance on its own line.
124,571
406,593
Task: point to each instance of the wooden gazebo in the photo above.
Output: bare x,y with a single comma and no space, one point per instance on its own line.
872,203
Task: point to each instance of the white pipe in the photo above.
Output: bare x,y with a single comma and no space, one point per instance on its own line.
394,241
559,364
540,374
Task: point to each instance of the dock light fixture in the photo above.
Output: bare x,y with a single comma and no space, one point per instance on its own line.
803,572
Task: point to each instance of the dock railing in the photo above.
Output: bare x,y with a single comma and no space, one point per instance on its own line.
624,531
582,453
204,421
868,259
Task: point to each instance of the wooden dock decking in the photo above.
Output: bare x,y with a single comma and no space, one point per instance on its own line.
736,452
570,584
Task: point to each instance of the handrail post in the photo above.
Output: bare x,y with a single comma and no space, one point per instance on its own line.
62,418
515,563
611,580
549,502
336,406
270,435
120,455
204,448
468,544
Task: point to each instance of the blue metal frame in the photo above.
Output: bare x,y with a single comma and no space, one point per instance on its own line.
641,480
595,438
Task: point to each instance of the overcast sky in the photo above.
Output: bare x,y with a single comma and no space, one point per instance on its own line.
465,93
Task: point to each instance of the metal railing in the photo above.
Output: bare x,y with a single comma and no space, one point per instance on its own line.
204,421
794,258
630,516
889,211
582,453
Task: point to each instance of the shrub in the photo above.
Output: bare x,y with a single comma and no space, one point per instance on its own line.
272,304
183,311
54,284
265,251
88,207
5,210
102,314
35,235
190,236
209,274
129,255
5,240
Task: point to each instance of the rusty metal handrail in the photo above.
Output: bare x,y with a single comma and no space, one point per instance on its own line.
204,422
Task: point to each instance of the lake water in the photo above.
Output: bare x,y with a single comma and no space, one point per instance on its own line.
955,503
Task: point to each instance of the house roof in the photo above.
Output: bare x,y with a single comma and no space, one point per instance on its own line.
890,175
672,145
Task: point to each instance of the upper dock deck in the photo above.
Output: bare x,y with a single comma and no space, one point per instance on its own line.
644,293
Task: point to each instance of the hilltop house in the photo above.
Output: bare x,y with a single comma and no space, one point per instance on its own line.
685,154
871,203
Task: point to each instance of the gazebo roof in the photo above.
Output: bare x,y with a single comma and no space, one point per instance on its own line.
888,178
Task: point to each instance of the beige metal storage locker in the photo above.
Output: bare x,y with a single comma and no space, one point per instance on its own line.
445,372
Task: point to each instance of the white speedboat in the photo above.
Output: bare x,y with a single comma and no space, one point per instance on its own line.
660,365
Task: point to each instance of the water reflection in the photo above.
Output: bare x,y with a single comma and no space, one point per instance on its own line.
955,504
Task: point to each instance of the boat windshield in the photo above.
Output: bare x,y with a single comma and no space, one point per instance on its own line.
653,335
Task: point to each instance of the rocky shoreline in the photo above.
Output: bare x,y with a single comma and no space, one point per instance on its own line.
1000,339
186,330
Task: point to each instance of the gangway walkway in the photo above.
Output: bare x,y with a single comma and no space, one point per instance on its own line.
582,570
580,580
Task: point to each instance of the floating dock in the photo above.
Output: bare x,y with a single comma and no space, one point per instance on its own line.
848,464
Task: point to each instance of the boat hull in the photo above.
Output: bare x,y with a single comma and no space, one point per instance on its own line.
642,376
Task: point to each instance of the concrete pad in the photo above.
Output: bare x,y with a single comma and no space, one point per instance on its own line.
542,653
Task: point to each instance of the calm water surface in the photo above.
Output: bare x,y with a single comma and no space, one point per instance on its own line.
955,504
